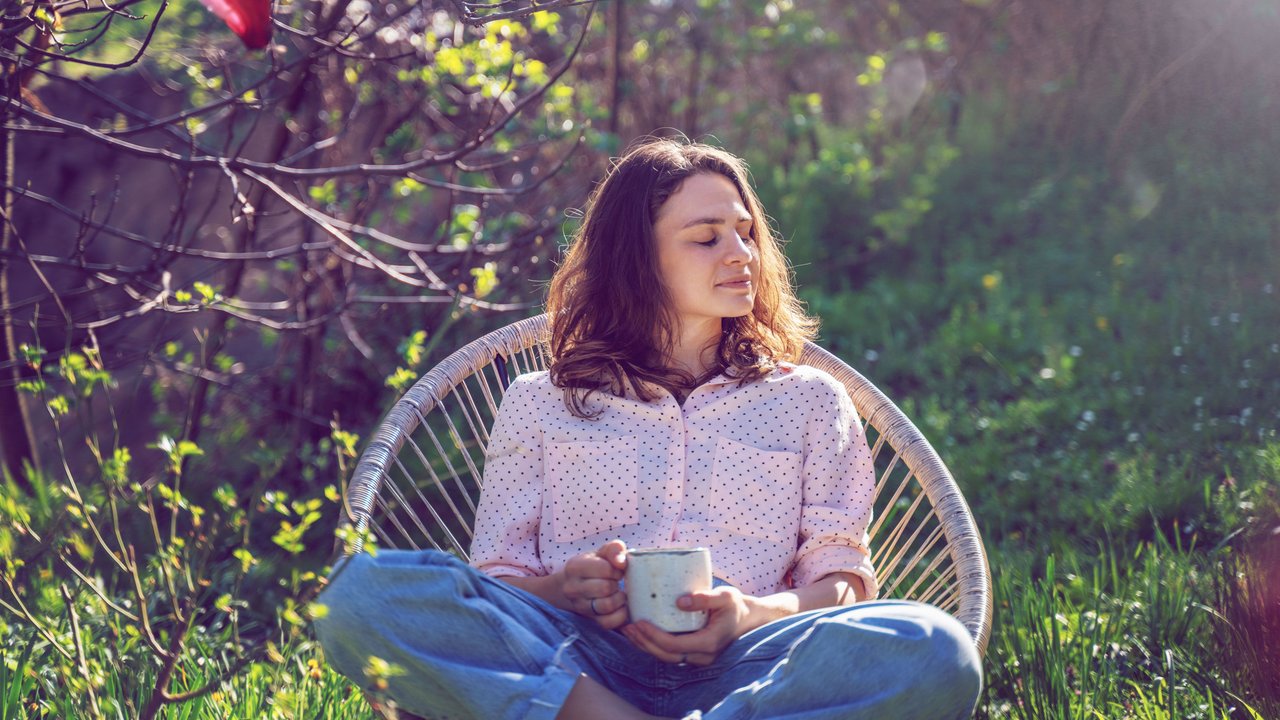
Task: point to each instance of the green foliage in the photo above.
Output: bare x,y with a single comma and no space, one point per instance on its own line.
1088,340
1057,368
117,588
1085,347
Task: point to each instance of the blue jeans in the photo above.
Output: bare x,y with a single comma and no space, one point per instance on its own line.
475,647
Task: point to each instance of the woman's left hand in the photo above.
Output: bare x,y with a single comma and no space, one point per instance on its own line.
727,611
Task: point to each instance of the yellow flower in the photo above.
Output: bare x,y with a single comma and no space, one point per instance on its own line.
1101,322
991,281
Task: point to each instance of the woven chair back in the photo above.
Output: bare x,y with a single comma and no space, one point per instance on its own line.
417,483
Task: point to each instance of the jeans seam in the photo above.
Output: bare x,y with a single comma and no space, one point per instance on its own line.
468,590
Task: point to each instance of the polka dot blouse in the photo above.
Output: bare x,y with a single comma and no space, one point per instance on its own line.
774,477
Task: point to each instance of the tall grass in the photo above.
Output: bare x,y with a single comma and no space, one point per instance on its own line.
295,684
1094,356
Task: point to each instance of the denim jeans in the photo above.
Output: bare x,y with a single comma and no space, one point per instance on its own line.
475,647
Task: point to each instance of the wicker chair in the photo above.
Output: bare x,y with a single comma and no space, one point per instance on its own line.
418,481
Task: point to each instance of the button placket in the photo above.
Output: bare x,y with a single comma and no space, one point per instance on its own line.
678,472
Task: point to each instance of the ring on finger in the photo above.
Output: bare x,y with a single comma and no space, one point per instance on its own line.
684,660
594,611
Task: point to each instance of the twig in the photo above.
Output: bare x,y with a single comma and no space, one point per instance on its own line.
26,615
81,664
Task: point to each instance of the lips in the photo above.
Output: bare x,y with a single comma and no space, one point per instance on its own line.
736,282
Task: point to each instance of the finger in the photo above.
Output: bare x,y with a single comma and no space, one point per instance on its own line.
600,605
710,600
590,588
675,645
645,643
615,619
615,553
592,565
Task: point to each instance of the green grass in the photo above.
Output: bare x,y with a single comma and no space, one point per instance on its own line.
1094,357
297,684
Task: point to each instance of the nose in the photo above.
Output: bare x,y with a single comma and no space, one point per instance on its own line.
740,251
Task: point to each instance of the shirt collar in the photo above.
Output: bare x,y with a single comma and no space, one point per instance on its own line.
782,369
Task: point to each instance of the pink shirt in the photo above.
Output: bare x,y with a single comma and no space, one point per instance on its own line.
774,477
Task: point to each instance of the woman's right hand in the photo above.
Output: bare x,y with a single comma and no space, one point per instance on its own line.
589,584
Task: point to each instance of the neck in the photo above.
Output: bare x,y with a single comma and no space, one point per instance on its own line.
695,346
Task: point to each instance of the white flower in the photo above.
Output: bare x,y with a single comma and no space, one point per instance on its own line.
871,356
1177,351
1075,351
1134,437
1199,401
1047,373
1088,416
1215,320
1234,317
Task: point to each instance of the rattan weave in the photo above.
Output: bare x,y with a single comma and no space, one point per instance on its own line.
417,482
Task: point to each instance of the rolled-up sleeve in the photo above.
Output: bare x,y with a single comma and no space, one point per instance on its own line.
839,488
510,512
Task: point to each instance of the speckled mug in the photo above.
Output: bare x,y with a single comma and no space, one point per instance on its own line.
657,576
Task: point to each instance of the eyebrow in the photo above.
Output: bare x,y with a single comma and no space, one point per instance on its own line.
714,221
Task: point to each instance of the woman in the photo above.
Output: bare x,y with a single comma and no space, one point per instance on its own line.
671,416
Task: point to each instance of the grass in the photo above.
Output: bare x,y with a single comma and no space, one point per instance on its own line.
297,684
1097,368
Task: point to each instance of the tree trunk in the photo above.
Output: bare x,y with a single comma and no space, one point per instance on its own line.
616,40
17,443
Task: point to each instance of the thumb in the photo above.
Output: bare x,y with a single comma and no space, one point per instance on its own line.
615,551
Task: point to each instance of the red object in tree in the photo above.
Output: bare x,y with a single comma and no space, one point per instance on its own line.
248,19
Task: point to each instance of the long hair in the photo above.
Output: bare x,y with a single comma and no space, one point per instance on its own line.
612,326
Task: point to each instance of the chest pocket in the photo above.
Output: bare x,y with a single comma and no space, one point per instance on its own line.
593,486
757,492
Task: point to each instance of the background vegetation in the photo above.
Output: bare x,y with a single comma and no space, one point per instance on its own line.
1051,232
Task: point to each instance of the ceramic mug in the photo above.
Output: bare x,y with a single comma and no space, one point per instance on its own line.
657,576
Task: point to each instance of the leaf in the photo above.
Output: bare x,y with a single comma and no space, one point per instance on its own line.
207,293
486,279
324,194
246,558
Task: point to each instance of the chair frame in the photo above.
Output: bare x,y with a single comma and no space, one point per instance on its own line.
954,575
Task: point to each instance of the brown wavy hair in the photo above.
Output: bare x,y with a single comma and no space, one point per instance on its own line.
612,327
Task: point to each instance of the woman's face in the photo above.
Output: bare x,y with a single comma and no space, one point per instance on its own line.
706,254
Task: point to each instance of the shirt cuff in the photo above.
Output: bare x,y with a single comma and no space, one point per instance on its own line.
822,561
495,570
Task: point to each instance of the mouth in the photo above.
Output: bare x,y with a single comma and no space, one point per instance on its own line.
739,284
